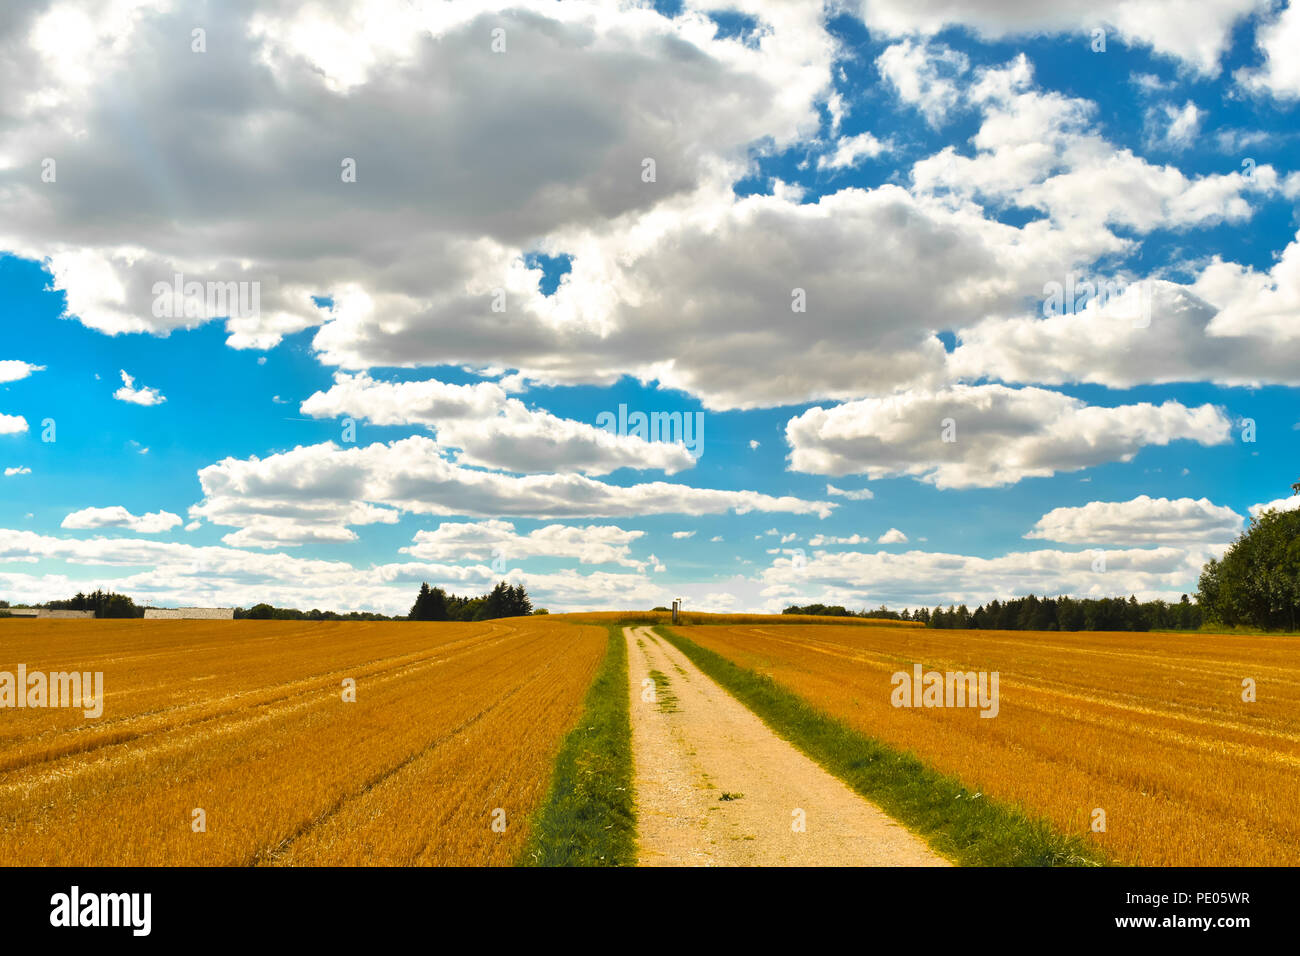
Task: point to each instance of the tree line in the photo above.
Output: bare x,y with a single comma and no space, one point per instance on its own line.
504,600
103,603
1032,613
431,604
839,610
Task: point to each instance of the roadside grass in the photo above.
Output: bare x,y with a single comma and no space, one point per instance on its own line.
966,827
587,817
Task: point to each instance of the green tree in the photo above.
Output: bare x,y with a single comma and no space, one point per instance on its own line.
1257,582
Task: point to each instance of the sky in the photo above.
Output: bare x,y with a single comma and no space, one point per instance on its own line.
747,304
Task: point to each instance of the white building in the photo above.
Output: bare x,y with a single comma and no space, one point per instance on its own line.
190,613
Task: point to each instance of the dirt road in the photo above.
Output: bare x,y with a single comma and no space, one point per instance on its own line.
716,787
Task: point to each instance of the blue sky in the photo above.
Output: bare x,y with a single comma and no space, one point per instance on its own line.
416,394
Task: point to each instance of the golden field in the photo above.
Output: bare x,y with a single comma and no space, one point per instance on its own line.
704,617
246,721
1149,727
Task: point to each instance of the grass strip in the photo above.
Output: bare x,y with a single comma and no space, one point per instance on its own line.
587,817
967,828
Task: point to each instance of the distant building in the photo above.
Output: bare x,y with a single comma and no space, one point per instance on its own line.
190,613
24,611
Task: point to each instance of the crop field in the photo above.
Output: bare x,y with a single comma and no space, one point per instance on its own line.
454,728
1150,728
628,618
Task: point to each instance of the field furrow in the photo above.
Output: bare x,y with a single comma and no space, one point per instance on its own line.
257,735
1151,729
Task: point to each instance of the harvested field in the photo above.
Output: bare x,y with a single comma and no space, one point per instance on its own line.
1151,728
246,721
651,618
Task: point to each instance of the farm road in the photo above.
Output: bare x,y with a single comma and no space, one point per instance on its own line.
716,787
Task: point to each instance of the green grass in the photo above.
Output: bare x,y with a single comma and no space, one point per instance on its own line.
587,817
966,827
664,695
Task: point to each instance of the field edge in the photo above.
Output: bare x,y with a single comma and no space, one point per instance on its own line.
937,807
587,817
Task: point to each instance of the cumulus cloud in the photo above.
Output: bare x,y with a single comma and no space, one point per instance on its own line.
118,517
1197,36
17,470
492,430
1175,127
892,536
850,150
182,574
1042,151
12,370
861,494
924,75
1280,504
321,489
498,541
553,133
1141,521
922,578
987,435
1277,40
137,396
1233,326
12,424
821,540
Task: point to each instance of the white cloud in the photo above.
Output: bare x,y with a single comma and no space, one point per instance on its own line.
821,540
12,424
683,534
1196,34
498,541
892,536
1142,521
492,430
314,492
1175,127
1280,504
137,396
753,443
849,150
118,517
1278,41
924,75
1232,326
921,578
182,574
1001,435
12,370
19,470
1042,151
405,80
861,494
